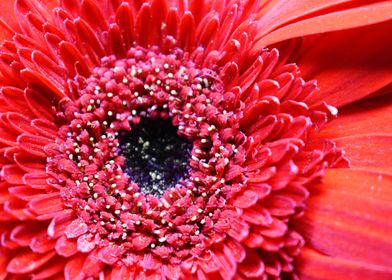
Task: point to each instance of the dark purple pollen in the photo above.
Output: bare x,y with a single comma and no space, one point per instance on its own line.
156,158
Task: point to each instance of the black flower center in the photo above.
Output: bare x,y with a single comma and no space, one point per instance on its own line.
156,158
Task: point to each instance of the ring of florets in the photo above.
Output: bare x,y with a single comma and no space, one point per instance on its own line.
110,207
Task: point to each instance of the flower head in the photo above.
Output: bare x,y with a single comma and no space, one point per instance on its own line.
155,139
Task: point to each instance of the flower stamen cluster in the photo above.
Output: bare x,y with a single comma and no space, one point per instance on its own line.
113,211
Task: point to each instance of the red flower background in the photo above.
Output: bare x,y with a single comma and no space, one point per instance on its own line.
279,188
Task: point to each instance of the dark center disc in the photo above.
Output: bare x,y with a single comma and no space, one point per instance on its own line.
156,158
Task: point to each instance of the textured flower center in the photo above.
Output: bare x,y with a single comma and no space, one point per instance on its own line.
156,158
143,156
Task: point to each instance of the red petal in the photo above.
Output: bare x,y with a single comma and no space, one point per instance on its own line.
3,263
85,244
23,234
257,215
159,12
17,123
18,209
370,152
365,68
65,247
47,204
88,37
252,266
277,12
14,98
361,15
207,263
348,217
6,241
93,15
28,262
109,255
172,22
12,174
59,224
45,128
42,243
364,131
280,205
115,40
40,104
24,7
6,31
73,268
364,117
120,272
92,265
236,249
315,266
276,229
144,25
225,260
238,229
125,21
36,180
8,17
246,199
33,144
187,33
25,193
5,194
72,57
50,269
29,163
76,228
36,79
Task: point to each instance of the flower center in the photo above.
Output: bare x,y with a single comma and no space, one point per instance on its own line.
148,155
156,158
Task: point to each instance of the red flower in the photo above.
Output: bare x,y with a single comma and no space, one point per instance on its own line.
179,140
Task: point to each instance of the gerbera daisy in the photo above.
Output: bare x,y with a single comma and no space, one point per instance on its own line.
181,140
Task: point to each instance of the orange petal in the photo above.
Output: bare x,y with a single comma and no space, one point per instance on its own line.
312,265
348,217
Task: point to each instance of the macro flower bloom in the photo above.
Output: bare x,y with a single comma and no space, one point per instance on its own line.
190,139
